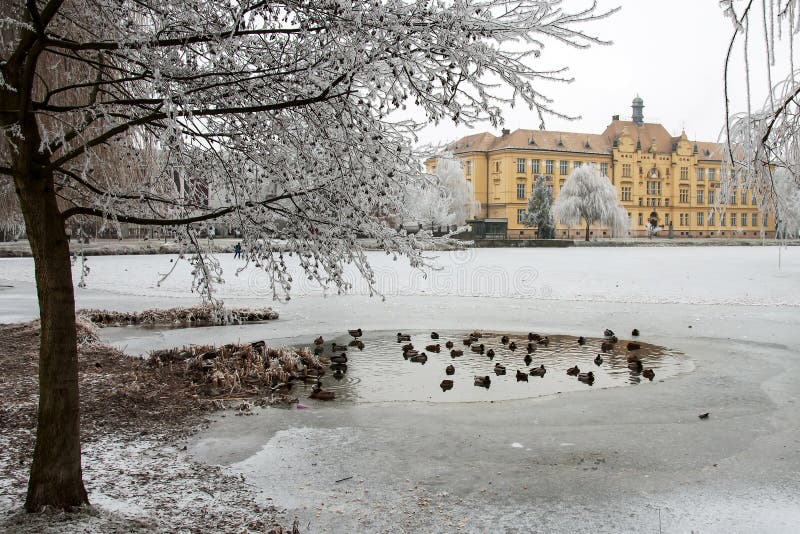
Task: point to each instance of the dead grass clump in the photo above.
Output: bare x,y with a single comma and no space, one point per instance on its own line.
181,316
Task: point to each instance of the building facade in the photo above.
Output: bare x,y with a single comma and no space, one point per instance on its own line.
671,180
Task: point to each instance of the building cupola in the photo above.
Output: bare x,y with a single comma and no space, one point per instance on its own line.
638,111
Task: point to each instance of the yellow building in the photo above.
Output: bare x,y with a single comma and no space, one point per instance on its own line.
671,179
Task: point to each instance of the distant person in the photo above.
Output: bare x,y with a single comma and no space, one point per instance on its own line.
237,251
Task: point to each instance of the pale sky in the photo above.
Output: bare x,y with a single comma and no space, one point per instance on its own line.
671,53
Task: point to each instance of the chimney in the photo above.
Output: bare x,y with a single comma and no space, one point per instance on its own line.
506,131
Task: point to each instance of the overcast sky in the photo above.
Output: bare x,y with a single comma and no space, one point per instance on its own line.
670,52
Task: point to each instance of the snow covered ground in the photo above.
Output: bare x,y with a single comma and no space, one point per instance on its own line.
616,460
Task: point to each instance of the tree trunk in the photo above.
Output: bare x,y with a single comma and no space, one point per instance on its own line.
56,478
587,230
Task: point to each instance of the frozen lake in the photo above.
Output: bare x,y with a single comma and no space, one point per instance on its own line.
593,460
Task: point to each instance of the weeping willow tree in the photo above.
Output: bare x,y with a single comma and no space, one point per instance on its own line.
763,139
278,119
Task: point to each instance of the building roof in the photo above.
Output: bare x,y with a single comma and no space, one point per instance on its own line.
650,135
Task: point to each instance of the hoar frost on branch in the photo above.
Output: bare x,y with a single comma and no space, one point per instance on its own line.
540,210
589,195
763,140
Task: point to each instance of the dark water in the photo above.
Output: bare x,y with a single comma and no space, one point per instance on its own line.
379,373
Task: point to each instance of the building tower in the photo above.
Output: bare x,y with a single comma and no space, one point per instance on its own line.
638,111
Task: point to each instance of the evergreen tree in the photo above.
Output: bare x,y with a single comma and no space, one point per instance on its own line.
539,212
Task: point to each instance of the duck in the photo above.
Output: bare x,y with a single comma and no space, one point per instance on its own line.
338,375
403,337
504,340
478,349
490,354
533,337
449,344
434,335
586,378
632,358
258,345
408,347
635,332
634,346
449,370
483,381
434,348
538,371
606,346
581,340
446,385
354,343
522,377
573,371
324,361
499,369
318,394
512,346
339,367
456,353
545,341
598,360
342,358
319,349
649,374
635,366
477,335
410,354
468,341
531,347
359,344
608,333
528,359
419,358
319,341
338,348
355,333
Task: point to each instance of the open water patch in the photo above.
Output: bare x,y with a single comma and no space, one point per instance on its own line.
381,373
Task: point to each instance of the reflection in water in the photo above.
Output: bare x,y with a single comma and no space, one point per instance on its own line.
379,373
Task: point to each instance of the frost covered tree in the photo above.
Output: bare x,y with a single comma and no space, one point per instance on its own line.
540,210
763,138
589,195
443,198
285,112
787,189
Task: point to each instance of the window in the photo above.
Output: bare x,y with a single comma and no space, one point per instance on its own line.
682,219
469,168
711,173
754,220
744,198
521,165
666,219
626,170
626,193
733,219
710,195
641,219
520,216
722,219
496,166
548,166
604,169
535,166
700,218
562,166
754,201
653,188
743,217
701,174
711,218
684,196
521,190
699,196
684,173
666,202
576,165
641,201
561,183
